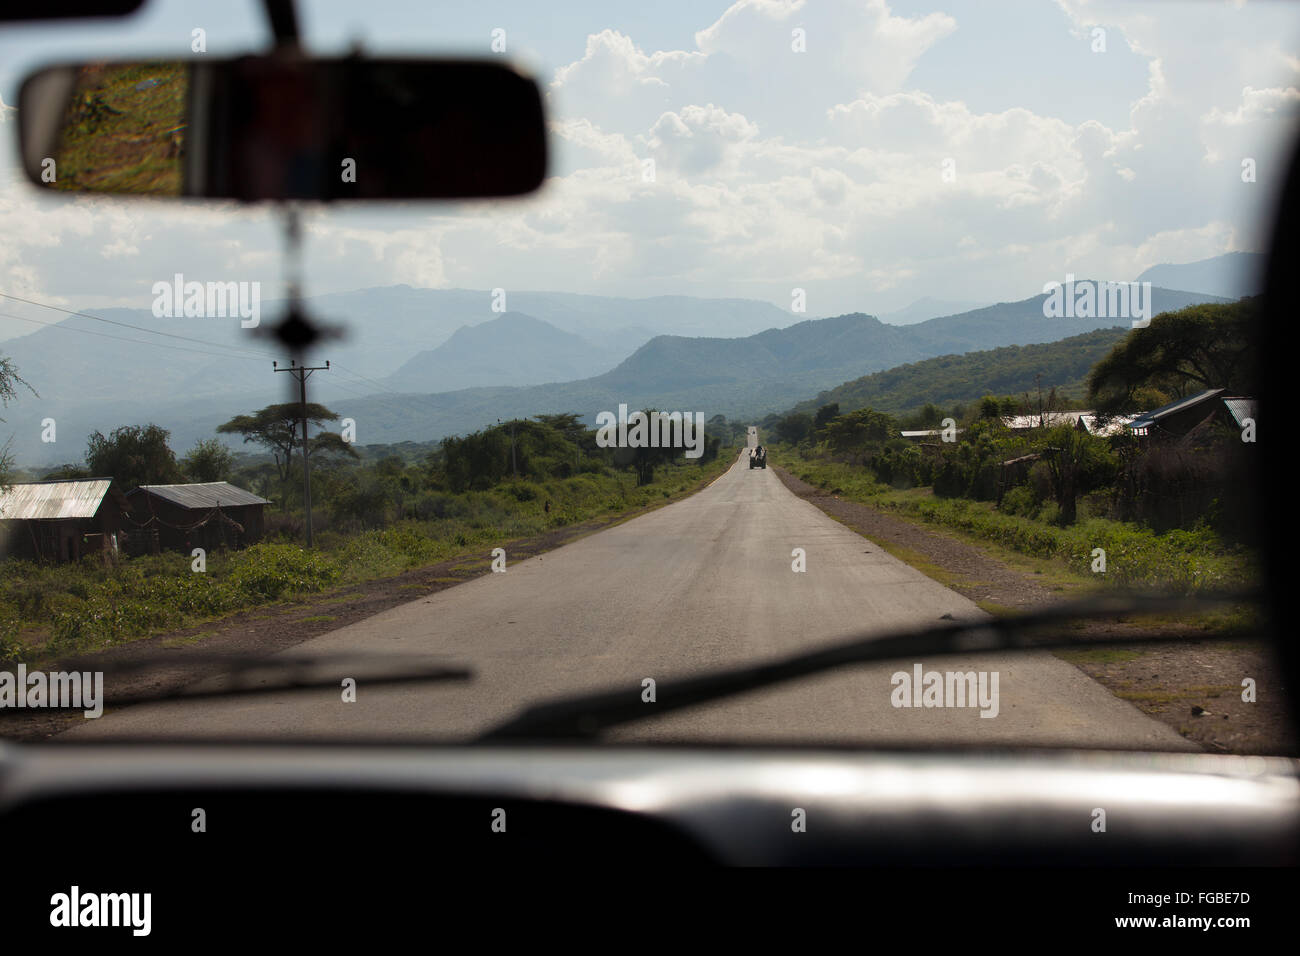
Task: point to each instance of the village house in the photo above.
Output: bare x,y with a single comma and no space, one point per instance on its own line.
1178,417
1023,423
931,433
208,515
61,520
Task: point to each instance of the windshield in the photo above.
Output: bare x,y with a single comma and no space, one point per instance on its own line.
831,322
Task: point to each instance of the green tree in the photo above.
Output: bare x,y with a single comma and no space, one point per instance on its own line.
793,428
568,424
208,460
856,430
1076,461
1180,353
276,428
9,380
332,443
824,415
133,455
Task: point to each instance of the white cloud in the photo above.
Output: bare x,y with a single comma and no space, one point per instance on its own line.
774,168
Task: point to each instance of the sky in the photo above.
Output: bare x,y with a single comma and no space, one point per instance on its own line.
960,149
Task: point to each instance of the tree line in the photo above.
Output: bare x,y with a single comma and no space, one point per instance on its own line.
1045,472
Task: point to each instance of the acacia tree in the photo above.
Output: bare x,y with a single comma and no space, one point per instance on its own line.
276,429
1200,347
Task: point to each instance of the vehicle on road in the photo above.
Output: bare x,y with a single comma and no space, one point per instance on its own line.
758,457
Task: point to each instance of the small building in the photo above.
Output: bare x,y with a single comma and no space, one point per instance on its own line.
61,520
922,434
208,515
1178,418
1024,423
1107,426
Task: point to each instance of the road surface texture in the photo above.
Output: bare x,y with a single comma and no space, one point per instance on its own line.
699,584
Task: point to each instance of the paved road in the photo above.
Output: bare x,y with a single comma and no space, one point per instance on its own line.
698,584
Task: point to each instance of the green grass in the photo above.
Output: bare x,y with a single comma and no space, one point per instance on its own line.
125,129
61,609
1179,560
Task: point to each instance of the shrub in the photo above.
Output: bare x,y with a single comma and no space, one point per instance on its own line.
268,571
1019,501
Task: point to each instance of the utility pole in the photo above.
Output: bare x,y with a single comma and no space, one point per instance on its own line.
302,373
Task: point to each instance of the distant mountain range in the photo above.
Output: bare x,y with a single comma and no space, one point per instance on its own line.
188,374
420,364
740,378
515,349
927,308
1231,276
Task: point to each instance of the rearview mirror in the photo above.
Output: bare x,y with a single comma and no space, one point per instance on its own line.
284,127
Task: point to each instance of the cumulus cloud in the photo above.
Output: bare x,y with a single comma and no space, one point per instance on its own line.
792,144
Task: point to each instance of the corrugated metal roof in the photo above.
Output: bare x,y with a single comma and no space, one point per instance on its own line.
29,500
1150,418
1241,409
1050,419
1115,425
207,494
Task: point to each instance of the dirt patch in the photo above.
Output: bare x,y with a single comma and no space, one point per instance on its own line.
177,658
1196,688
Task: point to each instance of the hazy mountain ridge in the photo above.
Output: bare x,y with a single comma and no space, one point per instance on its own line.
753,375
1232,275
514,349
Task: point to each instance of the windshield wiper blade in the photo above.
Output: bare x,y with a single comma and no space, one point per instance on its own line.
585,716
264,675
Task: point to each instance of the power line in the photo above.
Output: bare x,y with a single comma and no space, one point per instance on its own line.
120,338
232,351
257,354
135,328
371,381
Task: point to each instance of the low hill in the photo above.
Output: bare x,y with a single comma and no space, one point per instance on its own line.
949,379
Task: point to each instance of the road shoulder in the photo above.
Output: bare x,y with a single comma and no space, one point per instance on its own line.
1194,688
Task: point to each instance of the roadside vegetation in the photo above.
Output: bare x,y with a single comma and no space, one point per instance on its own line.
1168,514
376,514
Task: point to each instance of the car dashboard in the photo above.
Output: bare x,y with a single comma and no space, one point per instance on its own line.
750,807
